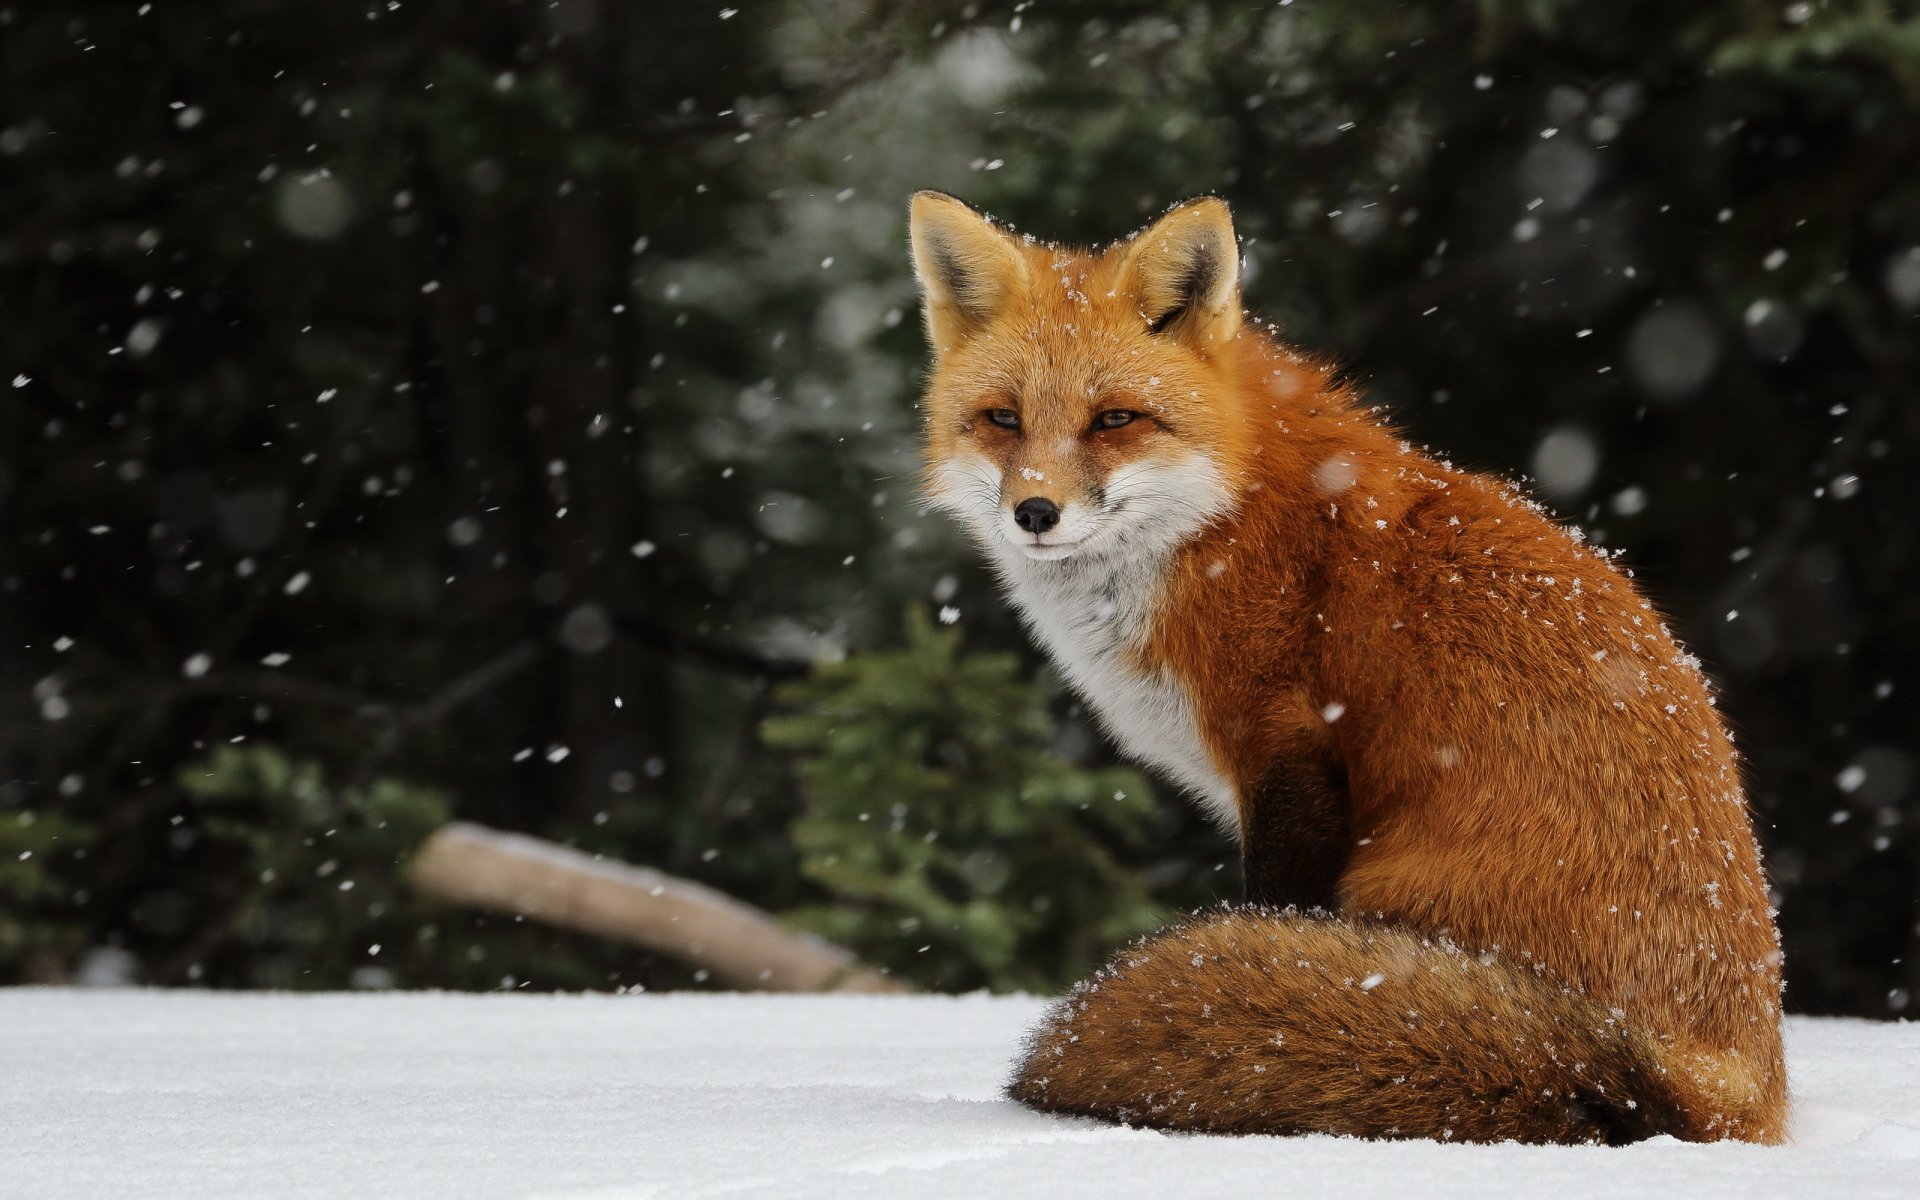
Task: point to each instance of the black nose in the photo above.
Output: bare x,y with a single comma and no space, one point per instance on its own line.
1036,514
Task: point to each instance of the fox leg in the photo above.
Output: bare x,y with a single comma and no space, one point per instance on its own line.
1296,834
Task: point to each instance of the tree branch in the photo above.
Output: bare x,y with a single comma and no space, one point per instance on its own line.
713,654
741,945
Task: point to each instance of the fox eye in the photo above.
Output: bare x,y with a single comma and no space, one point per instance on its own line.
1114,418
1005,418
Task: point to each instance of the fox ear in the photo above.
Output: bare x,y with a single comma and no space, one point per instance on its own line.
968,266
1185,268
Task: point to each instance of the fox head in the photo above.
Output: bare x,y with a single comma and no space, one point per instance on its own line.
1075,409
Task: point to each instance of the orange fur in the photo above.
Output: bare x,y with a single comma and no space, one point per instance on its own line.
1425,705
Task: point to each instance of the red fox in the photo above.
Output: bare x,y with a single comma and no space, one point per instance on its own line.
1502,880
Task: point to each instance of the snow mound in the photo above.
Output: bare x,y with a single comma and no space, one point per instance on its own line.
199,1094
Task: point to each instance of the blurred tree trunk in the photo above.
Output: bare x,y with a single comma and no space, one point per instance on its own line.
587,446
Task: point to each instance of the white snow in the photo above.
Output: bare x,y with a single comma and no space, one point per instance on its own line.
206,1094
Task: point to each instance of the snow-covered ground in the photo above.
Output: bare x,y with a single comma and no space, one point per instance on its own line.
198,1094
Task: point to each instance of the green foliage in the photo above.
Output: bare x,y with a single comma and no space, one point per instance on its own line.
318,873
1849,31
960,849
303,888
34,932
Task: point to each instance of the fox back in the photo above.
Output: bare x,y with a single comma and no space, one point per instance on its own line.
1420,705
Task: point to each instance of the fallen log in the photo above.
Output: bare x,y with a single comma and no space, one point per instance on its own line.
741,945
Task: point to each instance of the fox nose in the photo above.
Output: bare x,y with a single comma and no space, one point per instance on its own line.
1036,514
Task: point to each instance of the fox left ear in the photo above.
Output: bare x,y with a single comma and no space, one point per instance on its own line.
1185,268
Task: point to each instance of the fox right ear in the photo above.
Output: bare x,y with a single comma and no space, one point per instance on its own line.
1186,270
968,266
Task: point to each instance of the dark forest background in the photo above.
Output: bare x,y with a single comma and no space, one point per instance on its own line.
505,411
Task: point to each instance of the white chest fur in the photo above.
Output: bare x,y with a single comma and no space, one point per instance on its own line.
1090,615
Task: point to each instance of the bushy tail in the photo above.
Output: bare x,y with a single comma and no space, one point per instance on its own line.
1258,1021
